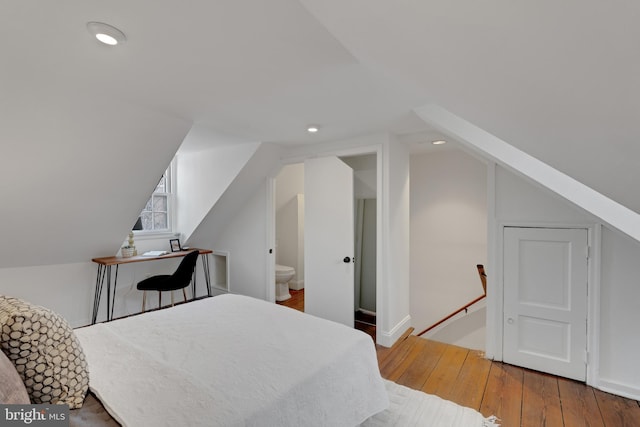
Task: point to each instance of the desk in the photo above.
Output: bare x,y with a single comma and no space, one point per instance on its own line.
104,270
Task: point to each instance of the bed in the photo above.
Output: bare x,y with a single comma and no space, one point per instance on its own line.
228,360
233,360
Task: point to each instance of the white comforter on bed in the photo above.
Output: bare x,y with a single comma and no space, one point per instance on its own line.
233,361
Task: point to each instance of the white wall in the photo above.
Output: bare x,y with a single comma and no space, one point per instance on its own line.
202,177
67,289
466,330
237,224
619,314
448,237
365,184
290,221
289,183
244,237
393,257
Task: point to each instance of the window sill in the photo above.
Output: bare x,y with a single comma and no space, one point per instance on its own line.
150,235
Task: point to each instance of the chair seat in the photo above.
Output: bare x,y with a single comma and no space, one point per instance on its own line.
180,279
161,283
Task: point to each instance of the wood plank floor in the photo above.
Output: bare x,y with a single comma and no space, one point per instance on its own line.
519,397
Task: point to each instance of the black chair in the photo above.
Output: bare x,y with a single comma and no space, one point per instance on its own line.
180,279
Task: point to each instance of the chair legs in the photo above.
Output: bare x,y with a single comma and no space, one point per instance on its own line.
144,299
184,294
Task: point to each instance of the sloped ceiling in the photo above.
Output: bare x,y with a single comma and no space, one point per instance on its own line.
86,129
559,80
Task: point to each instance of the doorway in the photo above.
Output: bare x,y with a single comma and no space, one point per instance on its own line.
289,220
365,214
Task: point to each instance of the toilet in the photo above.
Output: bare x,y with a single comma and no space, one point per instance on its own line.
283,275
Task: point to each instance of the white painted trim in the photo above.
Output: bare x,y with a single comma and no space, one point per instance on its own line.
493,343
173,196
296,285
593,307
365,311
270,205
495,299
227,256
387,339
614,387
381,268
521,163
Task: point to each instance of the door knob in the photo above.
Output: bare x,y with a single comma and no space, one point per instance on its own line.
510,321
346,260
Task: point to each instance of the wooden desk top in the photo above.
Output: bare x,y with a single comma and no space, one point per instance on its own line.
116,260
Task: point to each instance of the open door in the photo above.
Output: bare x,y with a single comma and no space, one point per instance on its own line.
328,239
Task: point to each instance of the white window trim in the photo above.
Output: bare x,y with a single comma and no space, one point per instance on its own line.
171,211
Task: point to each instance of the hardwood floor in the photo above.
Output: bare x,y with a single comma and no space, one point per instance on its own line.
517,396
296,301
366,324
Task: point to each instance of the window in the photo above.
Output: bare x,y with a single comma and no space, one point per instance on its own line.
156,215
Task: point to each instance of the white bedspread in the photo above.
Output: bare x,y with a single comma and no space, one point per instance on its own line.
233,361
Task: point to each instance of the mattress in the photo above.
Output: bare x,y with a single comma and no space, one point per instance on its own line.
233,360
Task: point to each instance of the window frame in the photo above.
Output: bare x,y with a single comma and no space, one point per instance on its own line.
170,175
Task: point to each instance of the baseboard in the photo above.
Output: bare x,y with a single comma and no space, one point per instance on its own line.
365,311
387,339
296,285
619,389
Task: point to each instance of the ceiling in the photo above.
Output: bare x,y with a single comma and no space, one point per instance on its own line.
559,80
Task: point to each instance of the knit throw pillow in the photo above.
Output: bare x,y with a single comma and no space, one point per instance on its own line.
45,352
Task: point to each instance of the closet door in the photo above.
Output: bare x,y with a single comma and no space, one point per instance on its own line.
545,300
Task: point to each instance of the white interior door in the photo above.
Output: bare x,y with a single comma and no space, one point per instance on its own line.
545,300
328,239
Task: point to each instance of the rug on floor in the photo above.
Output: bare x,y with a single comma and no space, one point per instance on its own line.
408,407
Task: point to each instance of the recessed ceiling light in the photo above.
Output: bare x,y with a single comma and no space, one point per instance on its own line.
106,33
313,128
439,142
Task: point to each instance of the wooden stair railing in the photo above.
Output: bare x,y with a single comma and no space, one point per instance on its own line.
483,279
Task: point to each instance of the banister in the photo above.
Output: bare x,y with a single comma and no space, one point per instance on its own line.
483,279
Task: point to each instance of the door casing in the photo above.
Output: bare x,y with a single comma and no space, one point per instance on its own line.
495,289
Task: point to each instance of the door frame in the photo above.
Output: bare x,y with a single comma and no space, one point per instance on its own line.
495,292
377,149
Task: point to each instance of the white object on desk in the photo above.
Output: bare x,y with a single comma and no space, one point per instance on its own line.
154,253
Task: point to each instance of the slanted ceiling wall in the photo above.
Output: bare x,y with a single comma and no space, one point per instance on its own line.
203,176
71,185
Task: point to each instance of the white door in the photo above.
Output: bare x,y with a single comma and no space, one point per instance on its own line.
545,300
328,239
